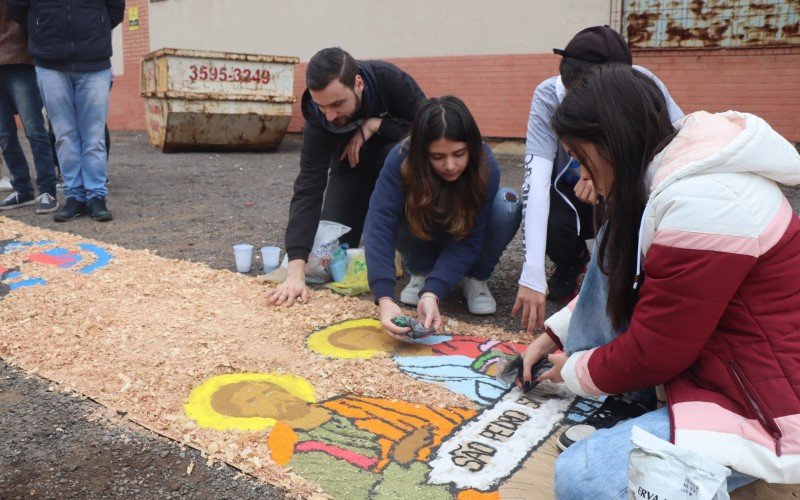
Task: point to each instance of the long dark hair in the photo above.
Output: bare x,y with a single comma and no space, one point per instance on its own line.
624,114
429,199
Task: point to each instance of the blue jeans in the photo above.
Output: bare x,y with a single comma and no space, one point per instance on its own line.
590,326
77,104
419,256
597,467
20,94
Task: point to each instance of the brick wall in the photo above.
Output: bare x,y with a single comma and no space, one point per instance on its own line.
126,109
765,82
498,89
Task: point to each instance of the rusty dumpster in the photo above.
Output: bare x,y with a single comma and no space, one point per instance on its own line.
204,100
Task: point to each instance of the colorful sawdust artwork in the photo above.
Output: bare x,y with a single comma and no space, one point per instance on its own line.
353,446
465,365
365,447
83,258
306,398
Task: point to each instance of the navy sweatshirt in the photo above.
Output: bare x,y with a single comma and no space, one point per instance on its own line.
69,35
386,214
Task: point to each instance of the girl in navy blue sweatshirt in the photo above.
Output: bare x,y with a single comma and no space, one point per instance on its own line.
438,204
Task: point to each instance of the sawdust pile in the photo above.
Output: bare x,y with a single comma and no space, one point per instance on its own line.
141,333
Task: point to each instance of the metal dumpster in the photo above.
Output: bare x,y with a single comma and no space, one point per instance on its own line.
202,100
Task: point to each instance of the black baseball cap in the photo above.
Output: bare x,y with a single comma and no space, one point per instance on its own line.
598,44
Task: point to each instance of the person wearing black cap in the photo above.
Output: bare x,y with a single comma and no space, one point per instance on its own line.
597,45
558,219
557,222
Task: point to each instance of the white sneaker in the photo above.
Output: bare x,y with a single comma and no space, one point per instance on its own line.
479,298
410,294
5,184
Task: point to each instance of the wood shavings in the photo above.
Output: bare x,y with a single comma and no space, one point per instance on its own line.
138,335
127,383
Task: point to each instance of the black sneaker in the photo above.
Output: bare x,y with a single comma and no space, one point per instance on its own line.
15,200
563,284
72,209
615,409
47,204
98,211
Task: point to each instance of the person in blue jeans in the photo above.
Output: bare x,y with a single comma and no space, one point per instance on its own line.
77,104
19,94
438,203
70,41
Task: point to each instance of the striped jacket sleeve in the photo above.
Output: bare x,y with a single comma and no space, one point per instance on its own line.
706,240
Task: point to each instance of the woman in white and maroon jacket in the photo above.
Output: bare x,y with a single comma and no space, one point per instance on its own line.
714,315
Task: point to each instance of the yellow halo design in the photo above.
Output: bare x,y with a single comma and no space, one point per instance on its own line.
199,409
319,342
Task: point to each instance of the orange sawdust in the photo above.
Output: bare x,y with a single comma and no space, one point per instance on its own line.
396,421
281,443
478,495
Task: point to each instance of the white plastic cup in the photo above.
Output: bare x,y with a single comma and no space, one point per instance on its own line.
244,257
271,257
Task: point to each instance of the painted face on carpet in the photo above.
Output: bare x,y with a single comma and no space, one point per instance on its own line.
18,269
254,402
248,399
360,338
465,365
358,447
376,441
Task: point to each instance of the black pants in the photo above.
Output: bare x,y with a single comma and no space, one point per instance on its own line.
349,190
564,244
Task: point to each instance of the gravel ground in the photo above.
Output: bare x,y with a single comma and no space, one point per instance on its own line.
191,206
55,446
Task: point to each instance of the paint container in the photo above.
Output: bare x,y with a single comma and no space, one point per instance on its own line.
244,257
337,268
271,256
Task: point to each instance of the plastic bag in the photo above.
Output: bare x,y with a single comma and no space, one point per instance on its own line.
418,330
326,242
659,469
355,278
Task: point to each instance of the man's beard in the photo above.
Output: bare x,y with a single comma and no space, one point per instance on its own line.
344,120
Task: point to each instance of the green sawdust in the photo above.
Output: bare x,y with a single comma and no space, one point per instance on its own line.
401,483
338,478
341,432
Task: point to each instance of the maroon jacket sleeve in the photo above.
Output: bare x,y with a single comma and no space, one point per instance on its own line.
681,302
